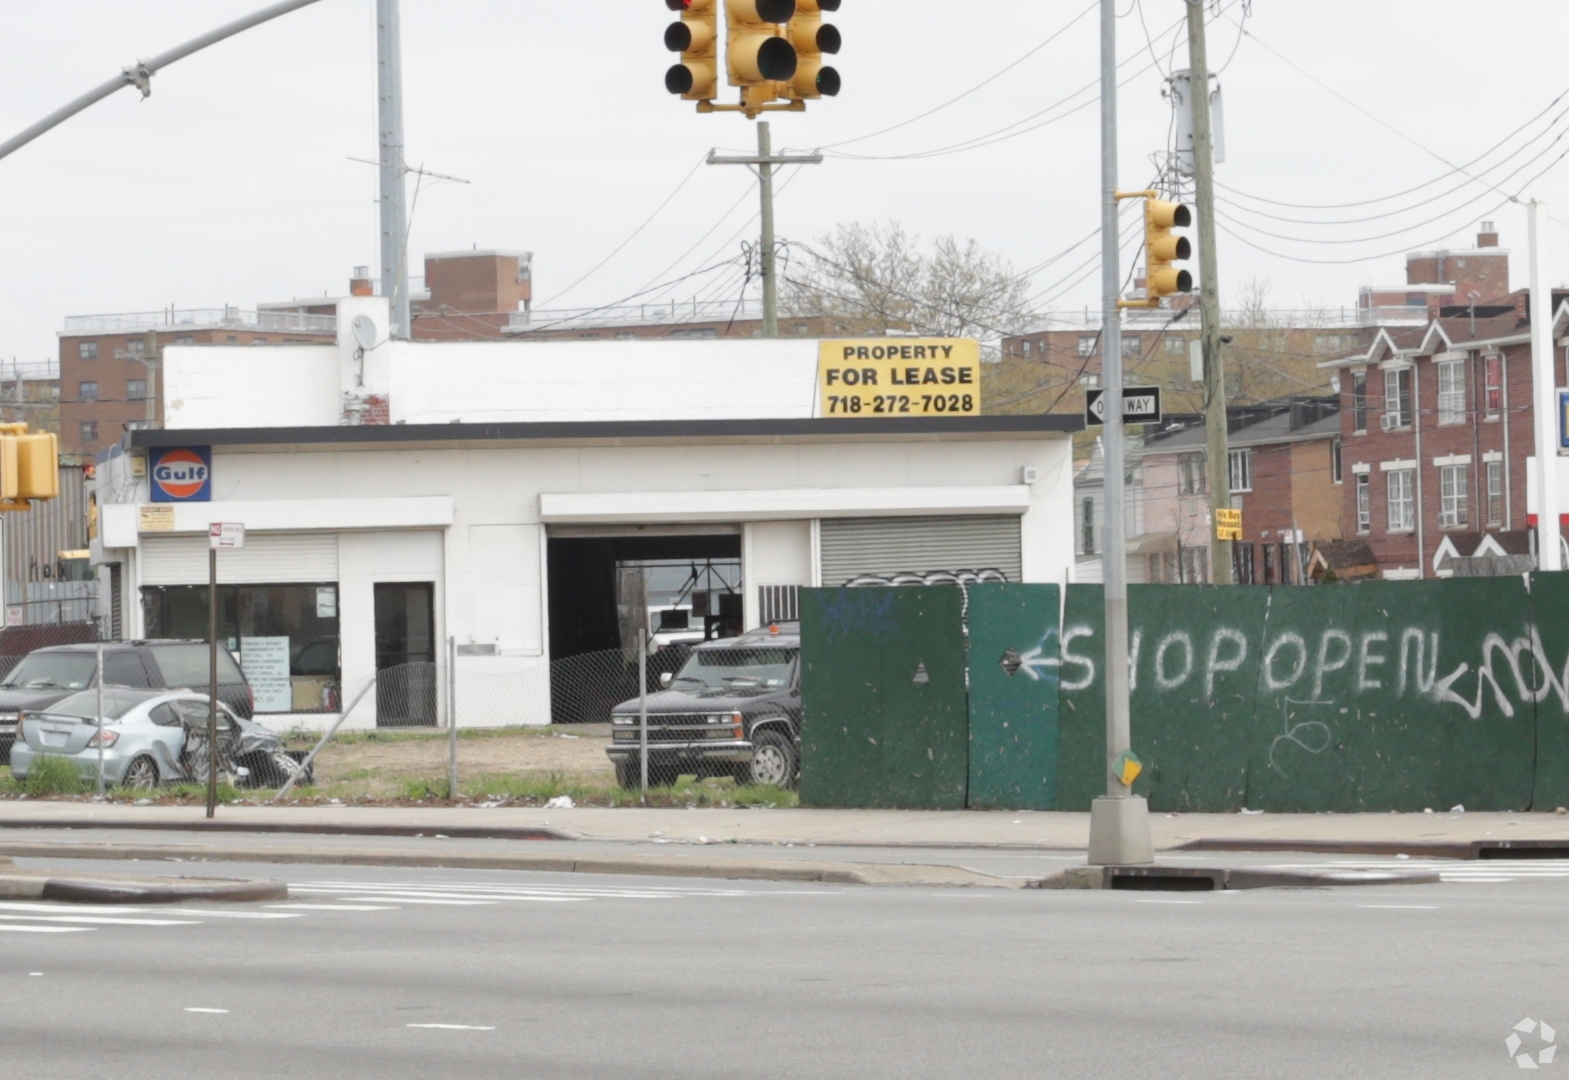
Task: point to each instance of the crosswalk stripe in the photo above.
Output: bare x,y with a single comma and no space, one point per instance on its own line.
44,929
104,920
334,907
1481,872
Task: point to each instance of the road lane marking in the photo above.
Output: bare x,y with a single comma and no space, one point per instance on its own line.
1144,901
106,920
44,929
452,1027
1399,907
197,1009
333,907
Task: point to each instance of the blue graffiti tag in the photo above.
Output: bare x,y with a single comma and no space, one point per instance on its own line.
856,612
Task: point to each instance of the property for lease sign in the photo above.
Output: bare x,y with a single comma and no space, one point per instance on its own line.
900,377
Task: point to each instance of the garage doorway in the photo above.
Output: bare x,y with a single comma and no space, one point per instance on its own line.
405,654
604,585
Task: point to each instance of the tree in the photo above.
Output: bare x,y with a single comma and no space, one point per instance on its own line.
877,278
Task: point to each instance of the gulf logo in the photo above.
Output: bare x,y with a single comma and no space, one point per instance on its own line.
180,474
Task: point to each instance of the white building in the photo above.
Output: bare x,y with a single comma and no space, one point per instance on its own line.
399,494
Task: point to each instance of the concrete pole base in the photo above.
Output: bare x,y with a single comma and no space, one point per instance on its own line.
1120,831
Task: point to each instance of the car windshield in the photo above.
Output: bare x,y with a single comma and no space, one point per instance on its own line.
52,671
116,704
735,669
187,665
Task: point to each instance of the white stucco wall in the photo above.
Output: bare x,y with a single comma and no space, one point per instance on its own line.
209,386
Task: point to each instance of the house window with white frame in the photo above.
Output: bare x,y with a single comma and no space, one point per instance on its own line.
1240,463
1495,493
1453,497
1364,503
1190,475
1337,461
1397,398
1493,385
1402,499
1451,391
1087,344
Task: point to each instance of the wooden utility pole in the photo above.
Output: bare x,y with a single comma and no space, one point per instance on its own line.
1221,566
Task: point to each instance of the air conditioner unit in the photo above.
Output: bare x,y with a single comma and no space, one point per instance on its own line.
1390,421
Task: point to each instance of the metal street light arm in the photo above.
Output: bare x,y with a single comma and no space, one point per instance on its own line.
140,74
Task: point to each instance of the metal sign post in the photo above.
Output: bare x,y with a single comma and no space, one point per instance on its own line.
642,706
100,712
228,537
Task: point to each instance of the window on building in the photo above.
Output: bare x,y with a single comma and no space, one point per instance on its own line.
1333,343
258,341
1359,402
1337,461
1451,391
1493,385
87,391
1397,398
87,350
1028,348
1088,526
1364,503
289,631
233,340
135,346
89,431
1195,565
1495,493
1090,381
1087,343
1240,463
1402,500
1453,497
1132,345
699,332
1190,474
1175,346
184,339
136,389
1269,564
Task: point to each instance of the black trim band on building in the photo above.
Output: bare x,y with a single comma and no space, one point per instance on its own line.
612,430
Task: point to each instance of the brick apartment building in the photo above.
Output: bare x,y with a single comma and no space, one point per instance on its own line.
1437,426
109,363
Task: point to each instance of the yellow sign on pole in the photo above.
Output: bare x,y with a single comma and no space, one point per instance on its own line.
887,377
1228,524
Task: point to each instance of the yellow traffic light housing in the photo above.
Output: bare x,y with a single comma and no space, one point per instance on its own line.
758,54
696,38
29,466
1161,249
813,38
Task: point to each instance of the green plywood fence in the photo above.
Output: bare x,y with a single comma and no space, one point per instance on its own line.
1378,696
1013,696
884,719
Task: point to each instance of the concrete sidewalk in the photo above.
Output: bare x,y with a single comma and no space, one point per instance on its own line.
1031,830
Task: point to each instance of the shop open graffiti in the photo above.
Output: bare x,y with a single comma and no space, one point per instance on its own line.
1330,664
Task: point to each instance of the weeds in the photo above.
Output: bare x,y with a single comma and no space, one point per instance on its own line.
52,775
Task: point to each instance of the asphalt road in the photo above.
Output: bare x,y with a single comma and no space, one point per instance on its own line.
392,973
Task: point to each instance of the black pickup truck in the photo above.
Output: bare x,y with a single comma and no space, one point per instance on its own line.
733,708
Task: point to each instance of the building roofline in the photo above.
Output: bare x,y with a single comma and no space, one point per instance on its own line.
618,431
491,253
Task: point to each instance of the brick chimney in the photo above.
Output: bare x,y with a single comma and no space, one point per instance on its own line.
360,283
1488,237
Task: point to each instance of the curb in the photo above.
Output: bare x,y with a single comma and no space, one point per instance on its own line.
1429,849
461,832
662,865
1219,879
120,891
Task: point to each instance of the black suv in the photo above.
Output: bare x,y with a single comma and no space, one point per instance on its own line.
734,707
45,676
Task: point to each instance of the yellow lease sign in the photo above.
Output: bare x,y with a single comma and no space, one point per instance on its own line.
900,377
1228,524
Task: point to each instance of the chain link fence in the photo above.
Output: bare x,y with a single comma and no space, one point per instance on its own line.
540,735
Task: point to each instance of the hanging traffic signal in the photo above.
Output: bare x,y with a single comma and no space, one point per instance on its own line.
29,466
1161,249
696,38
811,38
757,52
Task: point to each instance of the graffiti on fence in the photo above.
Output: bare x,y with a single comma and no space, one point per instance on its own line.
931,577
856,612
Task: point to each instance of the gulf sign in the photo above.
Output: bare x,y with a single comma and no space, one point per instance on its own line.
181,474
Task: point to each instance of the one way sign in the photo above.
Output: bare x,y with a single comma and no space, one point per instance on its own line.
1140,405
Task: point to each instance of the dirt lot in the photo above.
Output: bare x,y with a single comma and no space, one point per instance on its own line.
578,751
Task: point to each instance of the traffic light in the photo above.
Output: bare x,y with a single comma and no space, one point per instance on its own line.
758,53
1161,249
696,38
29,466
812,38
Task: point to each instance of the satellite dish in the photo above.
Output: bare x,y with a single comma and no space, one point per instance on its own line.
364,331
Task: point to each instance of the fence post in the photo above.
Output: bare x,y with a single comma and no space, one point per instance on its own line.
452,718
642,706
100,712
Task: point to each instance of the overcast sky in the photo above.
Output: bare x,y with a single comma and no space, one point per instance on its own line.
233,183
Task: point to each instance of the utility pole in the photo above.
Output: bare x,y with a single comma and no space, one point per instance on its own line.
1221,570
764,164
394,208
1119,820
1544,379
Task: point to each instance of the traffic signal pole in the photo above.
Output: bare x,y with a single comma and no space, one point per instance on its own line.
764,164
394,207
1221,566
1119,820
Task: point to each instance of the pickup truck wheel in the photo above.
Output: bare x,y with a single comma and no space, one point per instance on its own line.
773,760
629,774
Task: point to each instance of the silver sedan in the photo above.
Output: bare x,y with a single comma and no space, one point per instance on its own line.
144,735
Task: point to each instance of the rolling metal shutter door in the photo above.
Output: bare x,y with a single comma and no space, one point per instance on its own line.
852,547
266,559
